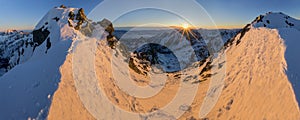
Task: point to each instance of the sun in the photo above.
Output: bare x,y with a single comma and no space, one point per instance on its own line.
185,26
187,32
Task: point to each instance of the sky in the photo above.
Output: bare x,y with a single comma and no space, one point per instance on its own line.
25,14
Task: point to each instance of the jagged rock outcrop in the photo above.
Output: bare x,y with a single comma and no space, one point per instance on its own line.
111,40
17,46
80,17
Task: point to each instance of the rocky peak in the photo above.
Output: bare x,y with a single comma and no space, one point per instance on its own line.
272,20
275,20
17,47
80,17
108,26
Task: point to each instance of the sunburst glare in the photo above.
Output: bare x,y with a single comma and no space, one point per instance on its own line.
186,31
185,26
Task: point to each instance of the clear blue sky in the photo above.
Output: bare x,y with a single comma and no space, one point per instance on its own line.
24,14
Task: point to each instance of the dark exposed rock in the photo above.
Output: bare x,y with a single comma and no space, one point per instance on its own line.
111,40
258,19
288,23
287,17
40,35
207,67
71,15
22,52
4,63
133,66
77,27
62,6
242,32
228,106
56,19
70,24
48,45
81,17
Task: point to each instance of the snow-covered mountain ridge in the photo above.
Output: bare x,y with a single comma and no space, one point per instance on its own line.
27,89
276,20
18,47
262,71
287,30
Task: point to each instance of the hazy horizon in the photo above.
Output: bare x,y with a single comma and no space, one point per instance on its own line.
225,14
136,27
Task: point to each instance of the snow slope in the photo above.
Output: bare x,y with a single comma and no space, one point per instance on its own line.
292,57
256,84
289,30
103,80
262,71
